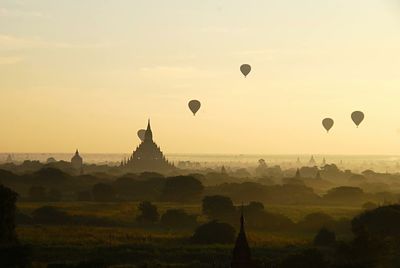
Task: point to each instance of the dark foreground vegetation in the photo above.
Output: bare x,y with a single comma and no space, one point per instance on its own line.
52,217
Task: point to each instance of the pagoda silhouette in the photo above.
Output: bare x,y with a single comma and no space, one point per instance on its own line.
241,256
148,156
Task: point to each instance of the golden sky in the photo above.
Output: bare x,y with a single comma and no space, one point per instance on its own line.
88,73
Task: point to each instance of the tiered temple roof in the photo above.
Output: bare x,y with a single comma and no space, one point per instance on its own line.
148,156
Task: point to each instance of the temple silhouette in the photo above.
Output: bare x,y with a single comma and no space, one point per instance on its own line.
148,156
77,163
241,255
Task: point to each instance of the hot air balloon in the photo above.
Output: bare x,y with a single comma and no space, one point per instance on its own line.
357,117
194,106
327,123
245,69
141,133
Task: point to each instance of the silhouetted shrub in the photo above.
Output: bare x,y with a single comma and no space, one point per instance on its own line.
49,176
383,222
258,218
181,189
178,219
148,213
103,192
7,216
214,233
217,206
325,238
345,195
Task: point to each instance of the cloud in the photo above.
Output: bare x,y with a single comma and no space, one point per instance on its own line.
10,42
8,13
10,60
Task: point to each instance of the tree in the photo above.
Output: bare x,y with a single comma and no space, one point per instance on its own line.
148,213
262,167
345,194
325,238
182,189
8,198
103,192
214,233
178,219
217,206
381,222
50,176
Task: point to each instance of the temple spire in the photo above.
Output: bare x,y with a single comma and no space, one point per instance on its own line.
242,221
241,253
148,124
148,136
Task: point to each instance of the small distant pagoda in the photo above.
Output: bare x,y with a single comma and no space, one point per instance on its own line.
77,162
241,257
9,159
148,156
312,161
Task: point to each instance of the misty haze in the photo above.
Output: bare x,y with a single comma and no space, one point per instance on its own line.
199,134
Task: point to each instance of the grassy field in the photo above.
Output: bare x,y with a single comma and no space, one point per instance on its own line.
129,243
124,215
125,212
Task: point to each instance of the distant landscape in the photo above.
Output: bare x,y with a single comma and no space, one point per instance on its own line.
199,134
103,216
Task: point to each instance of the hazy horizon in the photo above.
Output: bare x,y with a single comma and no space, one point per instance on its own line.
88,75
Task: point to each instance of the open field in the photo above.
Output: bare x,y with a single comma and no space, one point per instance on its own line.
129,243
127,232
125,212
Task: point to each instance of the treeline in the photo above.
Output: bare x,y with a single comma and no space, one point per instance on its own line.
50,184
295,193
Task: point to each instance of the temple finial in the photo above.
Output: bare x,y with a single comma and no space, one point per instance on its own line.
242,218
148,134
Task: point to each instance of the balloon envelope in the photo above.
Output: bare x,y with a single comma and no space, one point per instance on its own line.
141,133
194,106
357,117
245,69
327,123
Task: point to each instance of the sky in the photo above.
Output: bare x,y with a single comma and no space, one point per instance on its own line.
88,74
